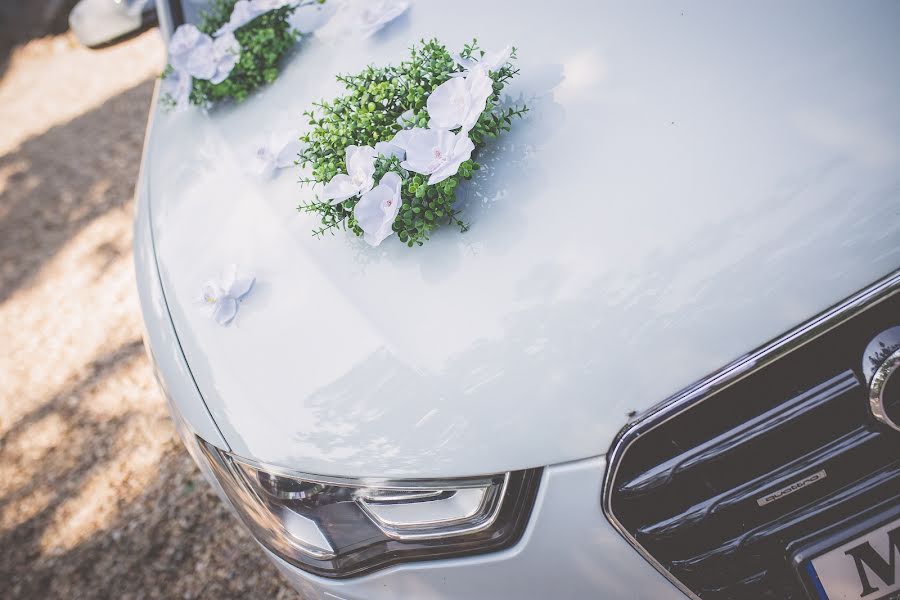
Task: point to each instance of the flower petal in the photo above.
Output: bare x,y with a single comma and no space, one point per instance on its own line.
243,12
377,210
361,167
263,161
201,62
241,287
227,52
360,158
394,182
184,40
211,293
389,149
375,14
339,189
225,310
427,149
461,152
447,104
495,60
479,87
401,140
287,156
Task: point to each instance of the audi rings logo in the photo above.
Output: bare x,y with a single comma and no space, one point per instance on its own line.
884,386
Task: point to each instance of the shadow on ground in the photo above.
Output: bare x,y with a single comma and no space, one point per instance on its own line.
23,20
97,497
58,182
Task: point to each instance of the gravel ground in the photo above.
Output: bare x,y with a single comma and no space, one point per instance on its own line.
97,497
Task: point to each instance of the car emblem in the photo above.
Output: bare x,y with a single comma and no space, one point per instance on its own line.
879,388
881,360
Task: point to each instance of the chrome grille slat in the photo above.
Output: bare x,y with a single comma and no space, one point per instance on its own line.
684,480
817,460
718,448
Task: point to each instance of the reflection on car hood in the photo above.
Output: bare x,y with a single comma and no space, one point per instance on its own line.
691,182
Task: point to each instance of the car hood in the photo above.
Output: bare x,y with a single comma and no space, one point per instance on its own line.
691,182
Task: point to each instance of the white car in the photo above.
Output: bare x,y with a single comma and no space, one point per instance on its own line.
657,365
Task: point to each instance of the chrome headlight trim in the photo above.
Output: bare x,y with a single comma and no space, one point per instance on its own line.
343,527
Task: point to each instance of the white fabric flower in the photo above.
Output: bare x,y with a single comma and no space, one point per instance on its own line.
377,210
360,162
437,152
459,101
225,294
177,86
214,61
395,147
491,61
183,43
372,15
278,151
390,149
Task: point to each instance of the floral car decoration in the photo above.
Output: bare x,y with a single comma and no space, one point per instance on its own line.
235,50
390,153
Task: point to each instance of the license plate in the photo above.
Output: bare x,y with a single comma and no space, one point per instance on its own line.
866,568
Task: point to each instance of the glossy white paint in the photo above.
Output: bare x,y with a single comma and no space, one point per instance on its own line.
569,551
693,180
171,370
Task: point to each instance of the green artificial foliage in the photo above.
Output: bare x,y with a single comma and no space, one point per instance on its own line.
264,41
371,111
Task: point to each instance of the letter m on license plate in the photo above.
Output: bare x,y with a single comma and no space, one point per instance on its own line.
867,567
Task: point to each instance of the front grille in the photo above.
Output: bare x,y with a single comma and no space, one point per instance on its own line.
704,485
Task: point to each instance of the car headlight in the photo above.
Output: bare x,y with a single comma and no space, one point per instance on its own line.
337,527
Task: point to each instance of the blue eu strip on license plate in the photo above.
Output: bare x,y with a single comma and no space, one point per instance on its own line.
865,568
817,585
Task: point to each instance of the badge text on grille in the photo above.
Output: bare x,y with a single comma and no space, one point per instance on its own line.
790,489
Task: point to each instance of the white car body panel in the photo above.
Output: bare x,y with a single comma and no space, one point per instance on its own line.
162,345
692,181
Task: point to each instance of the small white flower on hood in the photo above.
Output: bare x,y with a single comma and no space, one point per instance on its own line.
437,152
225,294
377,210
491,61
278,151
214,60
360,162
459,101
374,14
183,43
177,86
